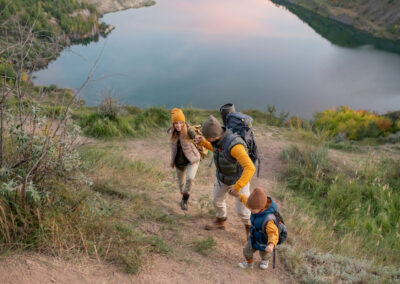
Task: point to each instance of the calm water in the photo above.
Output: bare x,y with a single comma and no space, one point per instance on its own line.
206,53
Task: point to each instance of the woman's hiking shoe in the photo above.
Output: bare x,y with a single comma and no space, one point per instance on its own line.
245,265
219,224
184,201
184,205
264,264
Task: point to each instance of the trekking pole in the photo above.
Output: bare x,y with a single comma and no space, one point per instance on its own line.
273,258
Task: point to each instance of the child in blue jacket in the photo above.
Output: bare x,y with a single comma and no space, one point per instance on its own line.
264,234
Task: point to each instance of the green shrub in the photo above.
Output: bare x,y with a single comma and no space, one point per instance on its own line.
98,125
109,107
52,111
356,124
152,118
361,201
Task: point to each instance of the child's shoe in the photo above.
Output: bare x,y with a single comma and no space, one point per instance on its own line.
245,265
264,264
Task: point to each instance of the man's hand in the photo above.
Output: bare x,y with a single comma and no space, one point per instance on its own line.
172,165
233,192
197,139
270,248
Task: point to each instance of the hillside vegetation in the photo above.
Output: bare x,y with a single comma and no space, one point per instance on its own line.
79,181
62,198
379,18
43,28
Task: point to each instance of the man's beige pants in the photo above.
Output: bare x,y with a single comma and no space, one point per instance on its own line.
220,193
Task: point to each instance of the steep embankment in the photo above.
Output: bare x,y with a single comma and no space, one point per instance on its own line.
108,6
378,18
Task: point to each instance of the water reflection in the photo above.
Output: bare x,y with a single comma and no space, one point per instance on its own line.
208,52
337,33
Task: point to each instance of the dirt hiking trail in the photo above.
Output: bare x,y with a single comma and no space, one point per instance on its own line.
183,264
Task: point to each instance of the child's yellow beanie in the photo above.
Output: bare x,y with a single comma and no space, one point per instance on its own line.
177,115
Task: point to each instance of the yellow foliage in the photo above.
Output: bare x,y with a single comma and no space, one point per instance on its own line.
24,77
356,124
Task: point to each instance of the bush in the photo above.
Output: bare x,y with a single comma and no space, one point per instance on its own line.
356,124
36,163
97,214
109,108
152,118
98,125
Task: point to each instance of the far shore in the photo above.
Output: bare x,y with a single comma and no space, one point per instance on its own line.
109,6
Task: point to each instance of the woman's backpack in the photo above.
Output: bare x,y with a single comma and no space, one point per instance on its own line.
202,150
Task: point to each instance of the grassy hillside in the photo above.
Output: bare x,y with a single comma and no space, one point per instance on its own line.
378,18
104,202
44,28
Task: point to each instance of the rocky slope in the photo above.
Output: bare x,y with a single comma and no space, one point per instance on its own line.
378,18
108,6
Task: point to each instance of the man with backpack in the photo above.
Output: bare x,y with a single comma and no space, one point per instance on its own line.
234,170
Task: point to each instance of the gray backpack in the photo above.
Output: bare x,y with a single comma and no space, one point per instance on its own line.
242,125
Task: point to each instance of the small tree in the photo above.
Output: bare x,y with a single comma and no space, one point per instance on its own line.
109,107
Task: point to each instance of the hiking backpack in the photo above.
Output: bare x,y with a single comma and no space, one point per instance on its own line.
280,224
242,125
202,150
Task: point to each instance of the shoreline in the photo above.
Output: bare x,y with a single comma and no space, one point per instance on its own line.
385,25
103,7
111,6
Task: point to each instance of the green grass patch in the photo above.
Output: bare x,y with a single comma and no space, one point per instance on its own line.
131,123
135,122
206,246
360,204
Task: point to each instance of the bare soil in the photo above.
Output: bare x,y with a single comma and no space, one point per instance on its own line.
183,264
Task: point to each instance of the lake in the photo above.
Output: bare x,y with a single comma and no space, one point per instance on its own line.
252,53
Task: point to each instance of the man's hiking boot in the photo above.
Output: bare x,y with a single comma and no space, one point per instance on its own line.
219,223
245,264
184,201
264,264
247,228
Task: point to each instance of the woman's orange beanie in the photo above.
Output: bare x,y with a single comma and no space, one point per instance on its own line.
257,199
177,115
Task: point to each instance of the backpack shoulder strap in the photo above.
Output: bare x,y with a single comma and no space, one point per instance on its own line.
226,149
268,218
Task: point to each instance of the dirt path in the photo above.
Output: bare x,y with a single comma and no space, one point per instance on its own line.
184,264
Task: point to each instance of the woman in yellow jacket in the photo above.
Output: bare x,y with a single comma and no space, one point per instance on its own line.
184,155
